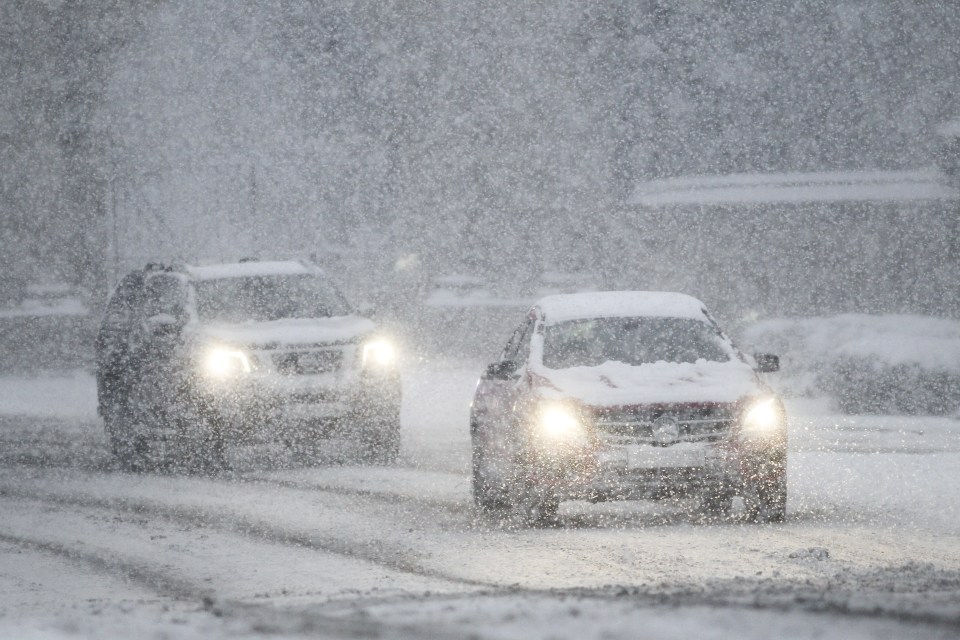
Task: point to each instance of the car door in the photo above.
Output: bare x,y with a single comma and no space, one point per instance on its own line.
114,339
500,389
157,349
162,315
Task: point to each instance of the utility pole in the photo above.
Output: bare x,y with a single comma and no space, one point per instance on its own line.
253,230
115,233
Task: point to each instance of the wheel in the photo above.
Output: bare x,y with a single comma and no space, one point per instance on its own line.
201,442
767,501
716,503
543,511
383,448
128,448
539,509
378,419
486,497
379,441
113,428
306,444
131,452
149,412
536,503
503,485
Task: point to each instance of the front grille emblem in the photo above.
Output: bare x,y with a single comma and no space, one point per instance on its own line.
308,362
666,430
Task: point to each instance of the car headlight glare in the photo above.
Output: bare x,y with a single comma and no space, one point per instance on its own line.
221,362
560,424
378,353
762,417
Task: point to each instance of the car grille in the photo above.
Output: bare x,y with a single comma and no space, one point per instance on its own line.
308,362
636,425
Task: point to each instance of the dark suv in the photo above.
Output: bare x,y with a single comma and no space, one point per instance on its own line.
627,395
190,358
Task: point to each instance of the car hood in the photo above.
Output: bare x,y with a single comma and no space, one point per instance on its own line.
290,331
618,384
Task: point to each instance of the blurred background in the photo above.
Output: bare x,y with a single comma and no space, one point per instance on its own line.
789,163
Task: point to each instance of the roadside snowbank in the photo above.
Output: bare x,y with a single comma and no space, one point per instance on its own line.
67,394
867,364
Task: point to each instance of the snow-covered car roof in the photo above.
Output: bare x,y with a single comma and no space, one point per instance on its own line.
250,269
620,304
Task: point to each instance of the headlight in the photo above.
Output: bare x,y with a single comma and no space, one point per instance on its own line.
558,424
378,353
762,418
222,362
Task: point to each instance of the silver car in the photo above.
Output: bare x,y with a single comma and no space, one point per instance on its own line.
627,395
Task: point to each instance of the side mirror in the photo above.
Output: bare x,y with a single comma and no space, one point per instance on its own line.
767,362
501,370
163,324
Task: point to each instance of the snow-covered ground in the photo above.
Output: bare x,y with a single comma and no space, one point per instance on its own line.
70,395
871,548
896,363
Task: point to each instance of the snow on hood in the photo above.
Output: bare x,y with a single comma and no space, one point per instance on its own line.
291,331
617,384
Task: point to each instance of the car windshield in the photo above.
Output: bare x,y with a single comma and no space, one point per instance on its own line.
633,341
261,298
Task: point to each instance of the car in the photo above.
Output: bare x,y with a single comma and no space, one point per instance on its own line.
193,357
627,395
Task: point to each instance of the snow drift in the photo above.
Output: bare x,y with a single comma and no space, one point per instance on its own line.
867,364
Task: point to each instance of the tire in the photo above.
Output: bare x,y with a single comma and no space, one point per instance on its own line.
486,497
511,494
716,504
201,442
767,501
146,413
386,448
379,442
112,427
306,445
129,450
542,511
378,418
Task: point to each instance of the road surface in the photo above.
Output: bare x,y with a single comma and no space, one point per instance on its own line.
871,546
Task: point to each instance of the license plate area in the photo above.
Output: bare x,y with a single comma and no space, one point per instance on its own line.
308,411
630,457
308,362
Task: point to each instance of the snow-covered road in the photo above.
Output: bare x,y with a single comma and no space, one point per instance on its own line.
871,547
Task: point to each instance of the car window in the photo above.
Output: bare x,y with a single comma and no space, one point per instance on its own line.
633,341
164,294
518,347
264,298
125,303
523,349
512,344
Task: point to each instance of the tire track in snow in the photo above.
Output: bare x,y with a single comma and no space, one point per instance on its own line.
159,582
270,615
376,552
451,507
844,593
233,563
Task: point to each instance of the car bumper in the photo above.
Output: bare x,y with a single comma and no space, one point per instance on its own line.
296,402
645,472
